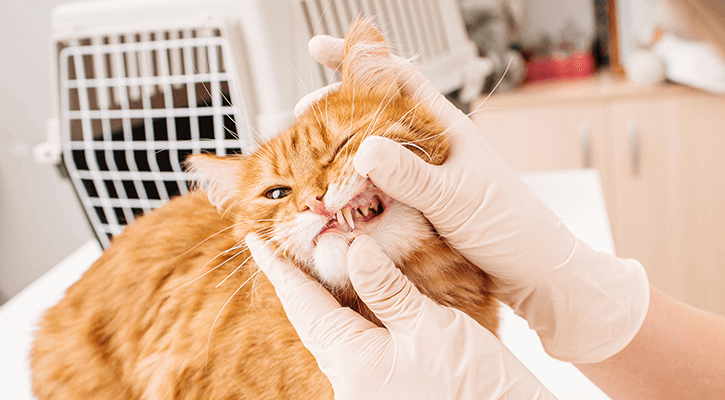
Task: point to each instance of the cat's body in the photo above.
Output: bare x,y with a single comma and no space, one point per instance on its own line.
148,321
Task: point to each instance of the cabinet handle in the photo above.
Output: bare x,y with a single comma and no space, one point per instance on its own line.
585,143
633,133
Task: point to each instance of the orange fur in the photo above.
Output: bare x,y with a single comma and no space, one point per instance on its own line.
138,325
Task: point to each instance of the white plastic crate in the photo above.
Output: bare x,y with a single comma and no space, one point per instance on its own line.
430,31
140,85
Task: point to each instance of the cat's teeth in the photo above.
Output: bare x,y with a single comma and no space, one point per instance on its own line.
365,211
339,216
347,213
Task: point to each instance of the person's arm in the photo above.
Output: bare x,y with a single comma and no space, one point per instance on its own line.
679,353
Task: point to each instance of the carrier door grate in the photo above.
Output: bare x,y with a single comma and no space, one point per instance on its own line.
133,107
414,28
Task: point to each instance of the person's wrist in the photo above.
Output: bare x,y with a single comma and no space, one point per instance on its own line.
590,308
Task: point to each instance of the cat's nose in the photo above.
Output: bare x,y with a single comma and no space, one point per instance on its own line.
317,206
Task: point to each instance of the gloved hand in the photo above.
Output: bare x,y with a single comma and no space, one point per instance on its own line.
427,351
585,306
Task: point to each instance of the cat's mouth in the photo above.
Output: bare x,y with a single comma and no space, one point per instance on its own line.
359,216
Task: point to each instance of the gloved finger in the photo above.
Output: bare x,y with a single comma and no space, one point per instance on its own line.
383,287
309,99
399,172
326,50
416,85
311,309
304,300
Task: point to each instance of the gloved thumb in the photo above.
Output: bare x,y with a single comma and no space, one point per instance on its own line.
383,287
398,172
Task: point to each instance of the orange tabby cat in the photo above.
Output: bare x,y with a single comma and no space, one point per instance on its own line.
176,308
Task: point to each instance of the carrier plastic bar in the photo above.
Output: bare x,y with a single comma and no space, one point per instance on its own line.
65,105
312,27
263,69
99,72
329,15
138,145
164,71
188,60
99,51
201,53
346,11
130,202
128,128
432,41
413,48
155,113
319,17
175,54
134,91
129,175
240,107
88,139
150,80
354,9
146,93
147,62
337,13
114,70
393,19
414,26
215,94
441,32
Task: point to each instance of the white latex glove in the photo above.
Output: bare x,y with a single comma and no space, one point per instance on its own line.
428,351
585,306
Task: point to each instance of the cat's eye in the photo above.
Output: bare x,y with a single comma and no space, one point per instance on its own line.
277,192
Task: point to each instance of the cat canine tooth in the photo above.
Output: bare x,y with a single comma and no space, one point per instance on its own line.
365,211
339,216
347,213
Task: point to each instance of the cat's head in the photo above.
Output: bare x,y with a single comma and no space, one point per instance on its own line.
300,190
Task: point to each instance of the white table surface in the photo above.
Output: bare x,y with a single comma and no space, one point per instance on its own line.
575,196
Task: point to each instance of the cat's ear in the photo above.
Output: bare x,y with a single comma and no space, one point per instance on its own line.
218,177
367,63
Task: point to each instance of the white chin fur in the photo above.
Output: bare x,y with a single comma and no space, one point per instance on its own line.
330,260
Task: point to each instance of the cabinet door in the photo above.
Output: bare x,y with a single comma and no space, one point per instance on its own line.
669,167
544,138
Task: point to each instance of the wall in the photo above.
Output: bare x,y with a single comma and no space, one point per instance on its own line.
40,219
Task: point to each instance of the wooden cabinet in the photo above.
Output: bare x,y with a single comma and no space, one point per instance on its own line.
661,155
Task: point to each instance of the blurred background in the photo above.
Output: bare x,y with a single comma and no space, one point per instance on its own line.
41,222
623,87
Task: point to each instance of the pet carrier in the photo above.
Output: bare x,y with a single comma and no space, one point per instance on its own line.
140,85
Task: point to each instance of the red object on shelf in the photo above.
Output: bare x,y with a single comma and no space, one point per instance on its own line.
579,64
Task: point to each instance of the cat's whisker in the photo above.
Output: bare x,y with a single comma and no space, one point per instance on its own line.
207,239
236,247
477,109
497,83
233,272
265,154
379,111
400,88
274,254
405,115
430,158
352,118
211,270
233,106
220,313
